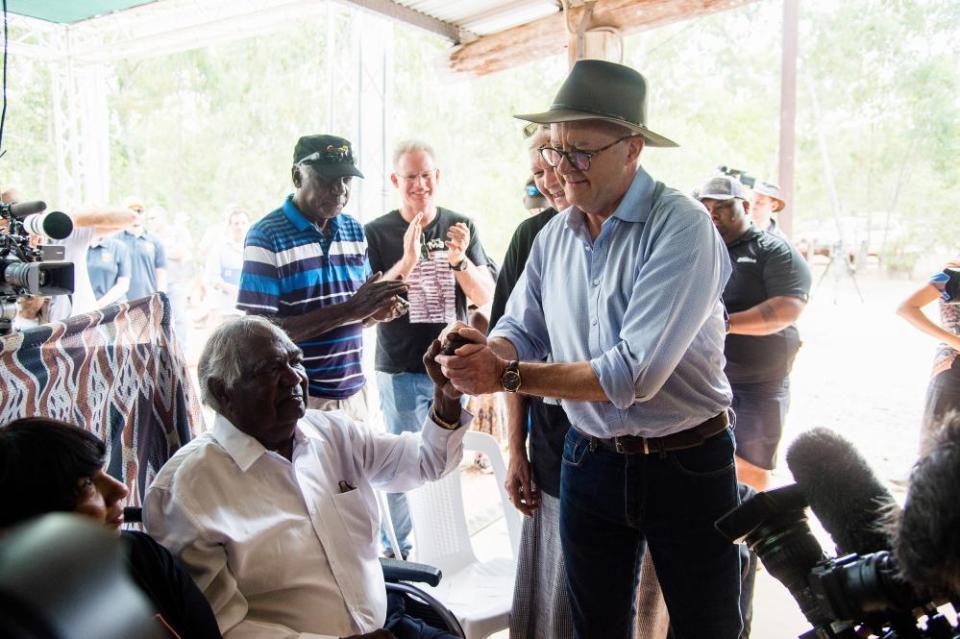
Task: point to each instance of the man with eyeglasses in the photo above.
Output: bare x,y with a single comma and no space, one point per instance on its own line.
622,292
438,253
305,265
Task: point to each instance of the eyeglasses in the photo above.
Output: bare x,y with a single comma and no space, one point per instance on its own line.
578,158
426,176
533,191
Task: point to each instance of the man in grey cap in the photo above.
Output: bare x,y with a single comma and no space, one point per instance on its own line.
766,201
305,264
621,294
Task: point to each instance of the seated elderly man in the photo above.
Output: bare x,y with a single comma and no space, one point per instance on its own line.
273,510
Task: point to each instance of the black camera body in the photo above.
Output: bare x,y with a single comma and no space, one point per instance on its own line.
842,597
26,269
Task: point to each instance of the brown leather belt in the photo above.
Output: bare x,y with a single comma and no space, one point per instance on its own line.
690,438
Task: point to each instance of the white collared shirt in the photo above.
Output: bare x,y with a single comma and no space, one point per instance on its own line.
289,549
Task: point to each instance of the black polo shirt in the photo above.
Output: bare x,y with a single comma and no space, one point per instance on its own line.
402,342
765,265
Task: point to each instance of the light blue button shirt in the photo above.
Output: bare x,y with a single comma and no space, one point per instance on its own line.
641,303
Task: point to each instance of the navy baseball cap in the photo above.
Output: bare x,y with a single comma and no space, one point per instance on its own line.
328,155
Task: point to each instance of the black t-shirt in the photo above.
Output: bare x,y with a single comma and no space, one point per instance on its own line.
169,587
548,422
515,260
765,265
434,295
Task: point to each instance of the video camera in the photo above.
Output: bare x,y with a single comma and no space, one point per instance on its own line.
28,269
858,594
745,179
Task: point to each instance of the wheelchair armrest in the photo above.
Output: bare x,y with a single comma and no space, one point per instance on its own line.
398,570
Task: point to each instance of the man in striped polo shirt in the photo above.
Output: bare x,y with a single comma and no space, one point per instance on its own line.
305,264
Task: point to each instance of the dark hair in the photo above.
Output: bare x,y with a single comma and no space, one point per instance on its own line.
41,462
926,543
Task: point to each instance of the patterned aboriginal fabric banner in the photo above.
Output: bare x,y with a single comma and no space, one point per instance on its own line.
118,373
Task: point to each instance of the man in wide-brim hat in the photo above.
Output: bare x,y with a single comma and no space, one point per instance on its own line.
622,293
766,201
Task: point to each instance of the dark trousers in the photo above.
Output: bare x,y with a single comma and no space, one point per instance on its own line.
942,405
748,572
613,505
403,626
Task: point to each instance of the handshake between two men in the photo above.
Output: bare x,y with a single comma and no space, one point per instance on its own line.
467,363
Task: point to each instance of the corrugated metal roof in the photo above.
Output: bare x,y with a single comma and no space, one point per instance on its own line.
483,16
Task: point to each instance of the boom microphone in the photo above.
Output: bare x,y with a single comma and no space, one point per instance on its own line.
842,490
21,210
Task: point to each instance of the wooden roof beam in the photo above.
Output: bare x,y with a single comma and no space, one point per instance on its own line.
547,36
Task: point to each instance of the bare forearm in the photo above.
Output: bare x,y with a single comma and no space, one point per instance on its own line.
400,270
104,219
318,322
767,317
447,408
575,381
478,370
503,348
516,423
476,282
119,290
919,319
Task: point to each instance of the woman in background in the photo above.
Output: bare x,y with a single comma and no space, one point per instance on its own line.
943,391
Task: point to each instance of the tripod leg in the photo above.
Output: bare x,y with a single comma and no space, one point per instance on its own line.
823,275
853,278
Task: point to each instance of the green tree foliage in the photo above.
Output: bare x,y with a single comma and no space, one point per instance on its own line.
29,161
199,130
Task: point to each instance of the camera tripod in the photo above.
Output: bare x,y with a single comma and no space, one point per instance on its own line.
850,270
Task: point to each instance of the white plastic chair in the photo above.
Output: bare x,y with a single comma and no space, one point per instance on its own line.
479,593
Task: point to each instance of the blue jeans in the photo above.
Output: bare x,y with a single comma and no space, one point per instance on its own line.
613,505
406,399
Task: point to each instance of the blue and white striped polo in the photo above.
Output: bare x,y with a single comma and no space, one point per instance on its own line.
289,269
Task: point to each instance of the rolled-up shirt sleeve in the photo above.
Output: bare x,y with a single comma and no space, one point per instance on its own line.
523,323
676,290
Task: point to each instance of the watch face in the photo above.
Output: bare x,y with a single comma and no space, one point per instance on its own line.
511,380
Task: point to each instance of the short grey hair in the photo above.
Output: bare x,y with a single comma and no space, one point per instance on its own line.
539,138
223,353
411,146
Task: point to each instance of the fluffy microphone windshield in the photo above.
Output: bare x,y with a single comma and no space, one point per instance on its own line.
842,490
